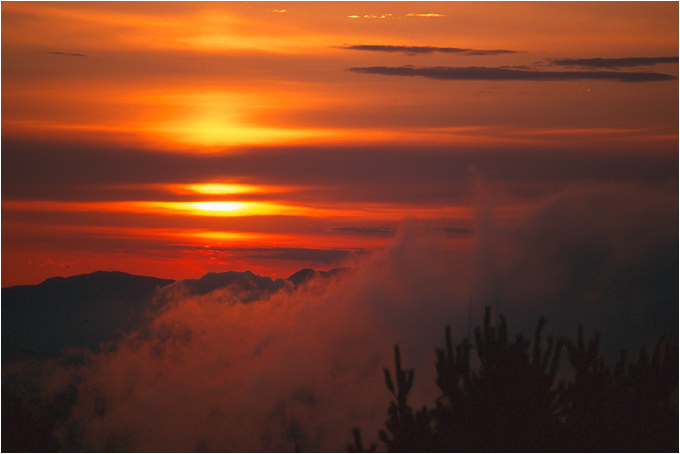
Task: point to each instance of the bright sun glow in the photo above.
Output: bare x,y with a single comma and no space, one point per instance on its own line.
218,188
212,133
215,118
219,206
229,208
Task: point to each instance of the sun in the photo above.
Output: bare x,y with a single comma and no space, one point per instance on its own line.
222,188
219,207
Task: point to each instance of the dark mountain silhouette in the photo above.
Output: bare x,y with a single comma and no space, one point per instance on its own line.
41,321
305,275
245,286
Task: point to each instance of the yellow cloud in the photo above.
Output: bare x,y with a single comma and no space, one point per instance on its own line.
425,15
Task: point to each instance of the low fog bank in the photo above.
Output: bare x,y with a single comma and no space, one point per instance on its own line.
264,365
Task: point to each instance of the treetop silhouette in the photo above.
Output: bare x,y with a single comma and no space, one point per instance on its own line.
512,402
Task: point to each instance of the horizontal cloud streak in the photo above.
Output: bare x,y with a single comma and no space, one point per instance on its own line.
425,15
302,254
37,165
458,230
613,62
501,74
364,230
67,54
415,50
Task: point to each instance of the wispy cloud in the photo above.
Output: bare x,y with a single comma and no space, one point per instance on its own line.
500,74
392,16
364,230
302,254
612,62
458,230
374,16
66,54
416,50
425,15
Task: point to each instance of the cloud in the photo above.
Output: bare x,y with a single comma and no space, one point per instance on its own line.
425,15
364,230
76,172
612,63
373,16
248,285
306,275
50,263
491,52
415,50
66,54
505,74
392,16
458,230
515,67
303,254
601,255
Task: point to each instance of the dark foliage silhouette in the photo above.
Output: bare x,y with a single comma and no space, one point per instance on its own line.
407,431
630,408
512,402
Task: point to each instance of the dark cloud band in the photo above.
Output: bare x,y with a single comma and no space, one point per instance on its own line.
415,50
613,62
301,254
458,230
48,171
500,74
364,230
67,54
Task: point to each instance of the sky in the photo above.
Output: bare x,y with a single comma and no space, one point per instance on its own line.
174,139
520,155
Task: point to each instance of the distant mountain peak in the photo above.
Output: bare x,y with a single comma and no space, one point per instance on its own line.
86,310
304,275
96,276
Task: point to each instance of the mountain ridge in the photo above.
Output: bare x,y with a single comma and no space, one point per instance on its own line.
93,309
292,278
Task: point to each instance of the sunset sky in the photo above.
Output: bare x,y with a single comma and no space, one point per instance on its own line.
174,139
452,157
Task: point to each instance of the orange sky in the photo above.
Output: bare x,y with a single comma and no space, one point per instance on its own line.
172,139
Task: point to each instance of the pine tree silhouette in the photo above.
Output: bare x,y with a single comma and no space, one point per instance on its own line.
512,402
406,431
511,392
627,409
